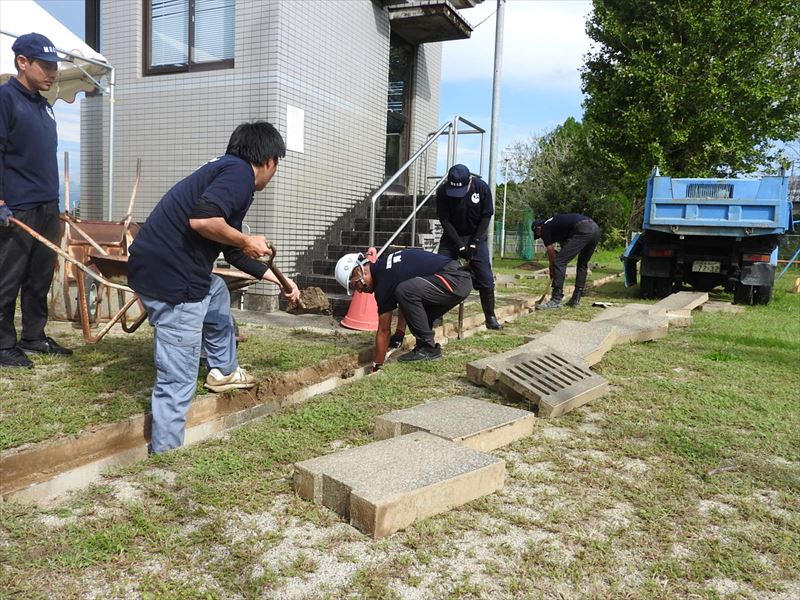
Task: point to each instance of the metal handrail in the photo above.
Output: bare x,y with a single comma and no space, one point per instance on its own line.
451,127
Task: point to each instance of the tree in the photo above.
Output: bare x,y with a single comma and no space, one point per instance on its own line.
557,173
696,87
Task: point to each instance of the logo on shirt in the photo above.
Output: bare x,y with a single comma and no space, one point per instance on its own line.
393,259
476,197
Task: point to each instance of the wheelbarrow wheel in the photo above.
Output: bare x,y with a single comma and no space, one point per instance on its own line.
92,295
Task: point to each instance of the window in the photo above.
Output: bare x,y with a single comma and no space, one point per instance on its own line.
188,35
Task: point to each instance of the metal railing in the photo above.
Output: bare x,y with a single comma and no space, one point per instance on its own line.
451,130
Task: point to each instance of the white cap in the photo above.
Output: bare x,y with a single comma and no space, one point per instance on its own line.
344,269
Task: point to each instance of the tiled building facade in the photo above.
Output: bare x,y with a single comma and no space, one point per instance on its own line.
326,58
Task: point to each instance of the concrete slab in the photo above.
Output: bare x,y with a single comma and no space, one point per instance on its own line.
682,301
622,310
552,382
715,306
588,341
475,423
640,327
386,486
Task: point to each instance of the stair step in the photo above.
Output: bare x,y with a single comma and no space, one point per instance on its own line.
362,238
392,224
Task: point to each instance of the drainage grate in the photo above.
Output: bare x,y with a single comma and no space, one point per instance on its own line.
556,384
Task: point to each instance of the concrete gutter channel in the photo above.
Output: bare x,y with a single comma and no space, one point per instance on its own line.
46,470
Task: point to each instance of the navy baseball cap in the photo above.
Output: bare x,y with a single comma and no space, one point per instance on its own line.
35,46
457,181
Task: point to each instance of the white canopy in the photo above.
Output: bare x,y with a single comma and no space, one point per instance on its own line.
85,66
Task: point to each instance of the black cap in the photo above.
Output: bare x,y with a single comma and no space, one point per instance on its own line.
35,46
457,184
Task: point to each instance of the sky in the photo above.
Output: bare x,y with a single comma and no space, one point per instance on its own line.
544,44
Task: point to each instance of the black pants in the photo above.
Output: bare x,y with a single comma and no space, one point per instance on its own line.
27,265
581,242
425,299
480,265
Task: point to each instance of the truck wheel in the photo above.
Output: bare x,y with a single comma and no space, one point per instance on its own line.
647,286
762,294
663,287
743,294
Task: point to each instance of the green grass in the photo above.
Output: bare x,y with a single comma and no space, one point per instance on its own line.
708,415
111,380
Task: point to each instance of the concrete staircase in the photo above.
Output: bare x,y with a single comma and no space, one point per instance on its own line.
351,234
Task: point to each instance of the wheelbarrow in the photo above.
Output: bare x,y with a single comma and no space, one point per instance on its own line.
111,272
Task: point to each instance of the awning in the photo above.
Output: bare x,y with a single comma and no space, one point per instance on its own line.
84,66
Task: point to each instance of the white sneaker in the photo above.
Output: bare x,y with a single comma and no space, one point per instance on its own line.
238,380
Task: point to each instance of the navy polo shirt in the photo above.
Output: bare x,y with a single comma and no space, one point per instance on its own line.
171,262
465,213
389,272
28,146
559,227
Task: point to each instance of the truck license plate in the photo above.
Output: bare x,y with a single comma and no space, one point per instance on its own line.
705,266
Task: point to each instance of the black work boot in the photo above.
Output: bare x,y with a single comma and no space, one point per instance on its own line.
555,300
14,357
575,300
422,353
487,303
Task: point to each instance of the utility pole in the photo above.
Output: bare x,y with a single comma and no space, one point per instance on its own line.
493,137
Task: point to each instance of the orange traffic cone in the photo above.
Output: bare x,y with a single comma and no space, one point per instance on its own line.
363,313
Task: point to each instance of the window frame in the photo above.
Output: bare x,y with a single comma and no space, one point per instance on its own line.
189,67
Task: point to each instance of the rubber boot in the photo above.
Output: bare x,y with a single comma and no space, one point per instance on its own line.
555,300
575,300
487,303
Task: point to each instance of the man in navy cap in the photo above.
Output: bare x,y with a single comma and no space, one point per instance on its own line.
28,192
578,236
465,208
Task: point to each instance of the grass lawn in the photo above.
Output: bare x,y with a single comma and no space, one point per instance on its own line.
682,482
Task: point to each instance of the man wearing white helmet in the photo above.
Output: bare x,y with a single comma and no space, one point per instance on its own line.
422,284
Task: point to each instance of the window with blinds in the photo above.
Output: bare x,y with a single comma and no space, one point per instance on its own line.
188,35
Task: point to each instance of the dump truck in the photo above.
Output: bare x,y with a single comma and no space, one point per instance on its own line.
708,233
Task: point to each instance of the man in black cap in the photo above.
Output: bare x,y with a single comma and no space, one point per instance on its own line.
465,208
28,192
578,236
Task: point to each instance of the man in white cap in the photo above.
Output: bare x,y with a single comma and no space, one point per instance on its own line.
28,192
422,284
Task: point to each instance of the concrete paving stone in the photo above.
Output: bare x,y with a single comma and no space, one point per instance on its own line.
640,327
682,301
552,382
615,312
587,340
387,485
715,306
475,423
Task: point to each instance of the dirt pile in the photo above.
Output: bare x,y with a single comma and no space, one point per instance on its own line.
312,301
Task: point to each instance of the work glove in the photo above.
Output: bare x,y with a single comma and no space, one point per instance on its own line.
5,215
397,339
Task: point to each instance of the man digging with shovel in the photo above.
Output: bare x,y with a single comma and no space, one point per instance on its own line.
170,268
422,284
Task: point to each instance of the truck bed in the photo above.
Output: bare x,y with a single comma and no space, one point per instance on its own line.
718,207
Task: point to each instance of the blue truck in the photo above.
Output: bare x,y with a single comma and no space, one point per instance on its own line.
708,233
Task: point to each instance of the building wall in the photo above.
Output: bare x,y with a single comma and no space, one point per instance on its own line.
329,59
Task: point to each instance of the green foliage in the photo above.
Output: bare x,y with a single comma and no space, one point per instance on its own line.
558,173
698,88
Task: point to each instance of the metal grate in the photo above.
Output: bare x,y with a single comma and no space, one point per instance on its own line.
710,190
551,381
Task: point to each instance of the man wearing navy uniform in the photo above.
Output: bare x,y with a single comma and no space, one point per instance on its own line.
29,193
465,208
578,236
170,267
422,284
